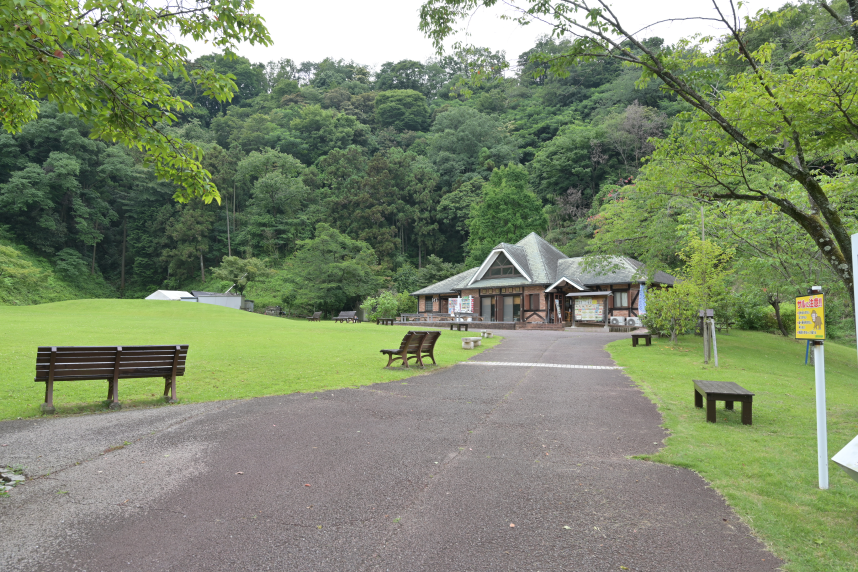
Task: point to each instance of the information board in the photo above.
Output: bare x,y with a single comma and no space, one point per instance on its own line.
589,309
810,317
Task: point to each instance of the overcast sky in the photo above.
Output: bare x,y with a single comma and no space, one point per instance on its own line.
371,32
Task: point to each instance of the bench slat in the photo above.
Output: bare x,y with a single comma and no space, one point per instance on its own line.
109,354
109,365
47,349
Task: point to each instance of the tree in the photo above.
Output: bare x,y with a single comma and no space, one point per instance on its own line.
402,109
238,271
670,310
508,212
332,271
105,61
801,130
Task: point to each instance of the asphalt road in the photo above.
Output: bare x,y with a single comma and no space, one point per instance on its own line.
474,467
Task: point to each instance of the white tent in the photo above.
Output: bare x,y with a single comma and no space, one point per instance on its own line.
170,295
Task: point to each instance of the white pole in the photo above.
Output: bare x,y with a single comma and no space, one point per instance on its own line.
821,430
855,277
714,342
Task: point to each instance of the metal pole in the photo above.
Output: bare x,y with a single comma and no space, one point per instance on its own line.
714,342
855,278
821,427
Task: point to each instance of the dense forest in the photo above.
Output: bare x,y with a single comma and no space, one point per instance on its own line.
411,172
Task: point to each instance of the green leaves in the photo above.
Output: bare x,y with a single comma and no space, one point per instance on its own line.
101,62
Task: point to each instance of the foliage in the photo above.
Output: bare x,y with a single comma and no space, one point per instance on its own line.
332,272
508,212
104,63
238,271
29,279
671,310
755,135
385,305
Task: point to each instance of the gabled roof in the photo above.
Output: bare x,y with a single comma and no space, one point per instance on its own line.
542,264
448,286
609,270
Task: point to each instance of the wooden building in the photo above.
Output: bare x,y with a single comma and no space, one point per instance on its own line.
531,283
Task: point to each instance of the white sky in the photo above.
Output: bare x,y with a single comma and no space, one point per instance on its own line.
371,32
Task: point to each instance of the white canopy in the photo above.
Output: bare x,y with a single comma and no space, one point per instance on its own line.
169,295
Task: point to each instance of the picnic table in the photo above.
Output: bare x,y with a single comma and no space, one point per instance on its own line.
111,363
726,391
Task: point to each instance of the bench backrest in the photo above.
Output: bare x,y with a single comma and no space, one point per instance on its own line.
350,314
411,342
105,362
429,340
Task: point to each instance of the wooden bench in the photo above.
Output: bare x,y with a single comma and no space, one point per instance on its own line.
427,348
347,317
384,321
459,326
111,363
408,349
726,391
636,337
315,317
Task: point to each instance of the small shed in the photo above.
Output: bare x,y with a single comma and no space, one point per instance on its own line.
233,301
171,295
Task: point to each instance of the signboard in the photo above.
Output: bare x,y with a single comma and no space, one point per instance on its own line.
810,317
589,309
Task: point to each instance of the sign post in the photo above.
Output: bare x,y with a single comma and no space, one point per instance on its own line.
810,325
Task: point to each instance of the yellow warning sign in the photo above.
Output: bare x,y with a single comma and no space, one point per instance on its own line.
810,317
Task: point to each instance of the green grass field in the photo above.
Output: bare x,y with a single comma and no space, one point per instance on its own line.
766,471
232,354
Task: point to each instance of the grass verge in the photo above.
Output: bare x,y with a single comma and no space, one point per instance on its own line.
766,471
232,354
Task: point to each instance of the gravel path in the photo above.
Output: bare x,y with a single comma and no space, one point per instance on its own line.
504,465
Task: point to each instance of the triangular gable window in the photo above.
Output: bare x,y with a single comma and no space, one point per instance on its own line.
502,267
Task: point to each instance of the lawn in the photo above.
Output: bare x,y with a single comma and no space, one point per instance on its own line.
766,471
232,354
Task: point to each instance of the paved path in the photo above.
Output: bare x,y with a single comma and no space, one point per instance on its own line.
428,474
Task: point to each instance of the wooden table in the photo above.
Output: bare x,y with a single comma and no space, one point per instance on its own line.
726,391
459,325
385,321
636,337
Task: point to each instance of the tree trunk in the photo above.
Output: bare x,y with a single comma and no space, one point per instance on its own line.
124,238
776,304
202,268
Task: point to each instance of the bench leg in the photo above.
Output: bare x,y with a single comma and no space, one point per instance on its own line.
114,389
48,405
170,389
698,399
747,411
728,405
710,410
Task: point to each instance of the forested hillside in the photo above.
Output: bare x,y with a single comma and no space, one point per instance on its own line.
394,157
341,181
